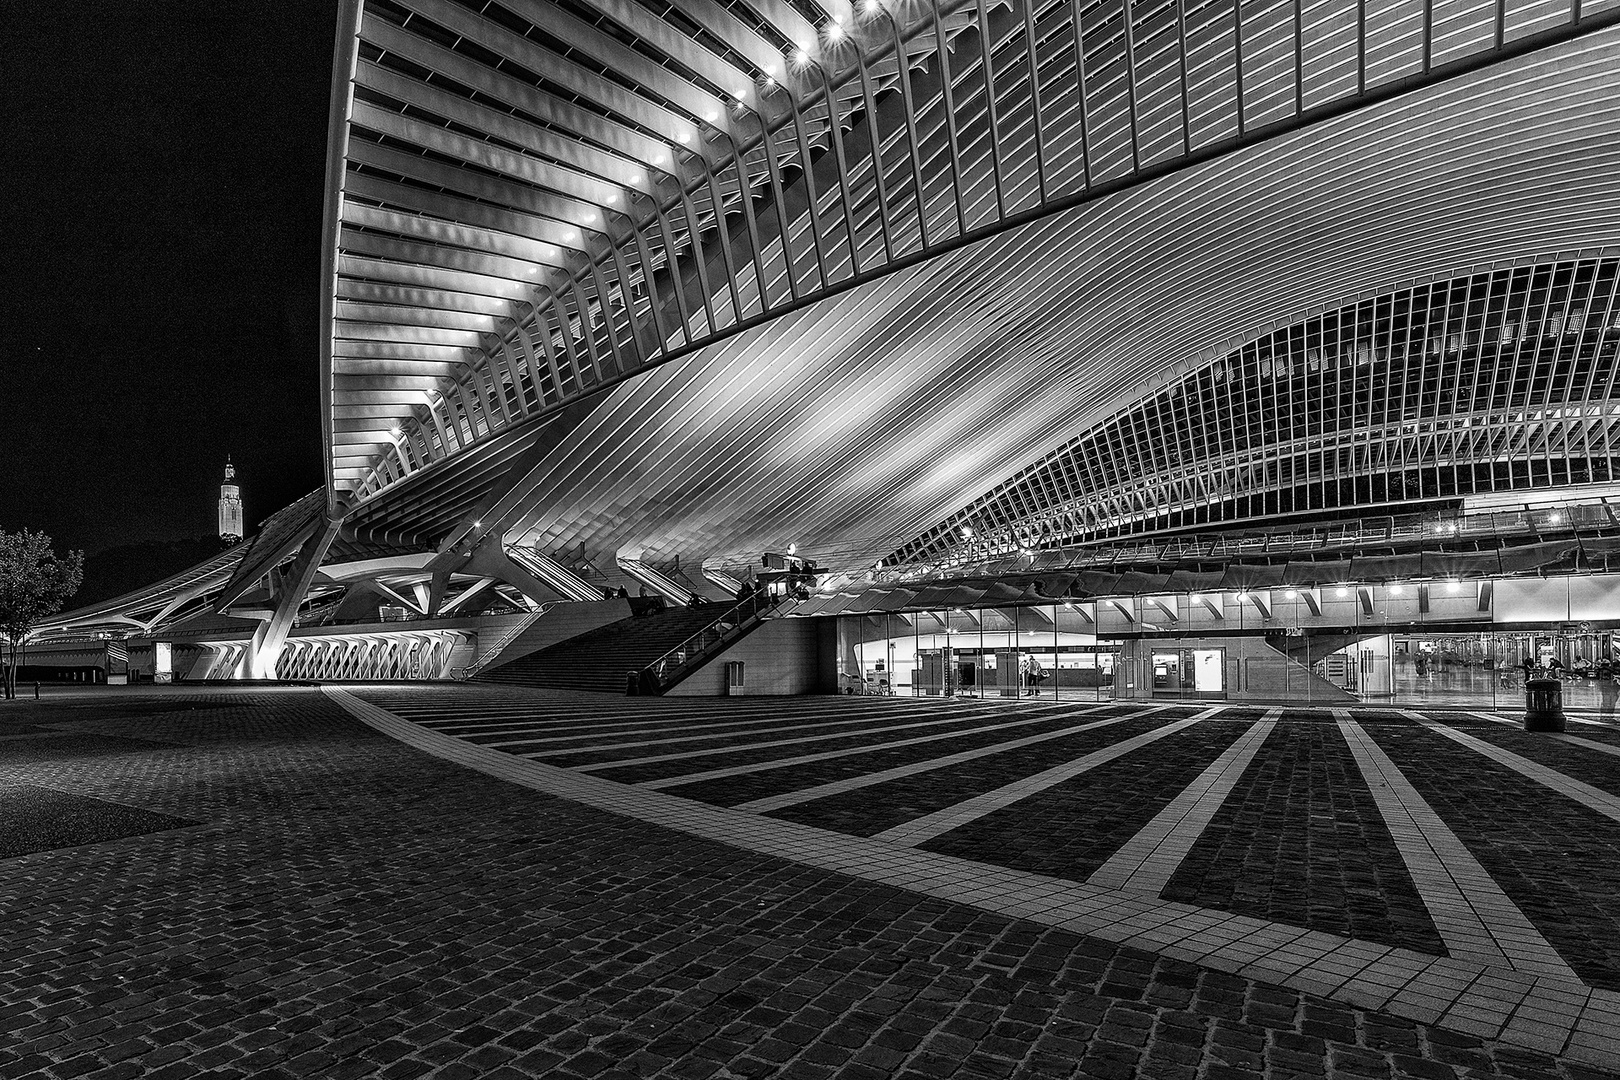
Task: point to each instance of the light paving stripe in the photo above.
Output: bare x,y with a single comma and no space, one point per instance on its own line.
826,755
1572,740
708,732
923,829
617,723
599,766
1588,796
1538,1012
900,772
1474,916
1149,859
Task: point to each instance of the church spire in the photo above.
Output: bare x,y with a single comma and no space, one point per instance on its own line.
230,506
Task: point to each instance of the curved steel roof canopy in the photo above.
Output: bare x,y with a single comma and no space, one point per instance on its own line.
701,274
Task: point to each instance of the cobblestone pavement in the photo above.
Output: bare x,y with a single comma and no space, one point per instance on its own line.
254,882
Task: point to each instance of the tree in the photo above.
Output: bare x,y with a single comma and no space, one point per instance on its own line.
34,583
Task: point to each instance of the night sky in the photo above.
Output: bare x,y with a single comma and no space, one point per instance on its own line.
161,169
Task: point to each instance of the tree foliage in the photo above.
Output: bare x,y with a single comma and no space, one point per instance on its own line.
34,583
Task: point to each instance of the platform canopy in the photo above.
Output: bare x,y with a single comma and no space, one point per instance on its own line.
704,277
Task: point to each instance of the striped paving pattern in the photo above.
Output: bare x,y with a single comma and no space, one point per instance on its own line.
1003,764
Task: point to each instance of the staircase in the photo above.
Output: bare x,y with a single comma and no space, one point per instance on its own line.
598,659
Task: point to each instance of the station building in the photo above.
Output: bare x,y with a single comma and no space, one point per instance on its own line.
1128,348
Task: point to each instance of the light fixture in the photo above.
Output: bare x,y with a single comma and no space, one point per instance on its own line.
801,56
872,7
1341,592
660,159
711,115
1396,589
613,198
1454,586
477,524
686,138
1556,519
1242,596
1292,594
967,532
793,549
570,235
835,32
1197,598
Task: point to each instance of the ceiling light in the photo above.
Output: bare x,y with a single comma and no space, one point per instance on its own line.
800,56
1454,586
873,7
570,235
1292,594
660,159
1396,590
835,32
1341,592
686,138
1197,598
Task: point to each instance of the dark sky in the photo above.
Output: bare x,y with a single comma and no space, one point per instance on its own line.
161,168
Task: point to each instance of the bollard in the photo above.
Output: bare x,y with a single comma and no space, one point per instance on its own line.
631,684
1544,705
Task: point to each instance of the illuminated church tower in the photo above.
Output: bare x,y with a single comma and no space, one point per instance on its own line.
230,506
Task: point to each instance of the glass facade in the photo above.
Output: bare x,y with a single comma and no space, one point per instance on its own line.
1244,647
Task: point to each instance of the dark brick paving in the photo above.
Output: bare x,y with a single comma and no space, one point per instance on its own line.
39,819
732,790
1300,841
868,811
740,752
758,730
1554,858
1068,831
1600,770
358,909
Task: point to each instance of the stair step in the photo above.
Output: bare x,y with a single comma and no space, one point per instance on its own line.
598,660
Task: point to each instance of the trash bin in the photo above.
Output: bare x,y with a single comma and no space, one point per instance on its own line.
632,684
1544,705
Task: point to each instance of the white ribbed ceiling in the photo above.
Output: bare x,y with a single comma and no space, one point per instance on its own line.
492,183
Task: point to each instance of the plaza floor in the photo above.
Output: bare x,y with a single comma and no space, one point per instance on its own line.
466,882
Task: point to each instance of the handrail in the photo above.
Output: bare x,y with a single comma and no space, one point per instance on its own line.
700,644
528,620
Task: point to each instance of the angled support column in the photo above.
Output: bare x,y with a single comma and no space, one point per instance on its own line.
479,586
436,591
271,636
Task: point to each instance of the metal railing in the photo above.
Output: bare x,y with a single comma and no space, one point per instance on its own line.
726,628
500,644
